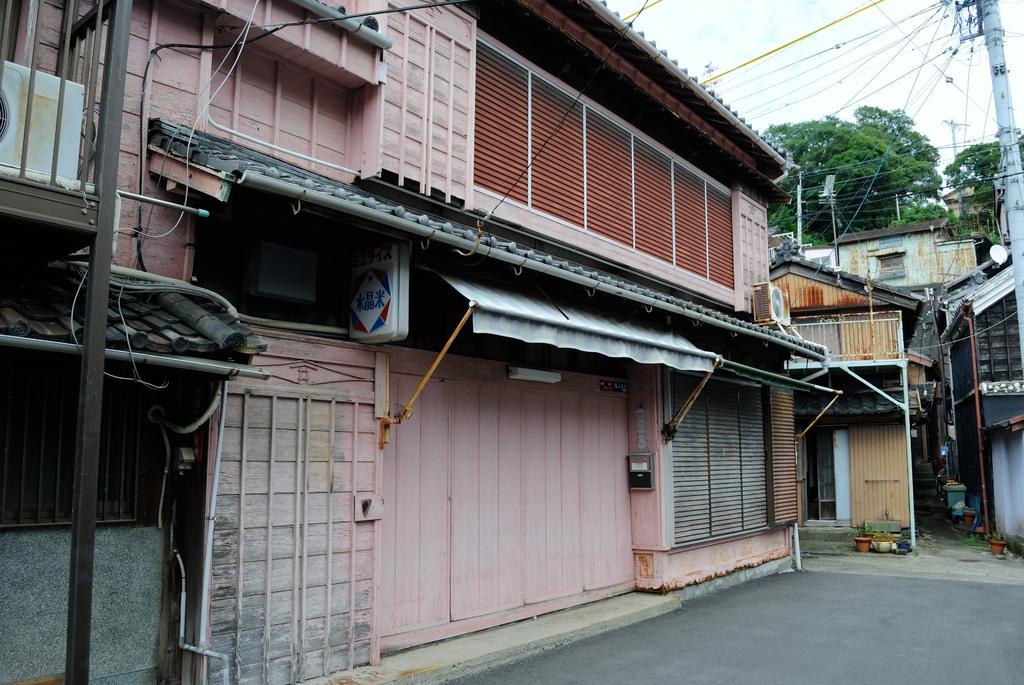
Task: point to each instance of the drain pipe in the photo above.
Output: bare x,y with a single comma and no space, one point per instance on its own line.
204,595
184,646
796,547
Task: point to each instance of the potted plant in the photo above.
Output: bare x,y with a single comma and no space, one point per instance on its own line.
863,538
882,542
969,516
996,542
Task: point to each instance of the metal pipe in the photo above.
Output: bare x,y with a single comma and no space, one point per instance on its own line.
88,430
201,213
167,361
977,417
910,459
190,428
297,326
356,28
183,603
286,189
211,520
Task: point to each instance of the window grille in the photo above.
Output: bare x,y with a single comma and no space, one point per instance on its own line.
38,411
891,266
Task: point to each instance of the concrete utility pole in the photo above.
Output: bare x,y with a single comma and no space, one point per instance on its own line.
1011,171
828,194
953,126
800,208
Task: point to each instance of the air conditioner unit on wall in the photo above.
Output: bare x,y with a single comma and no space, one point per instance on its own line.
43,124
769,304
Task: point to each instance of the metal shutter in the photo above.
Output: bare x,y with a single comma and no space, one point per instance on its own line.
783,456
609,180
557,181
754,457
690,477
720,236
718,461
653,202
691,229
500,152
726,460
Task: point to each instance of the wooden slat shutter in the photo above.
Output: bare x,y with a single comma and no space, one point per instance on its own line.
691,236
783,457
720,236
690,477
653,202
557,186
609,181
501,124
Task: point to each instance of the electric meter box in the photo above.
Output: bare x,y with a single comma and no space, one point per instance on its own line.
640,470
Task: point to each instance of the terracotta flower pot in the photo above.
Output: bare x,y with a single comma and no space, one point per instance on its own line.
863,543
998,546
969,518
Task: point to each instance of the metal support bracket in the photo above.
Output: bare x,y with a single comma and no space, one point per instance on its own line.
669,431
387,420
812,424
902,406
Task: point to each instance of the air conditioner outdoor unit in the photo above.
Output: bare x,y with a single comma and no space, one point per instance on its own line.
769,304
43,125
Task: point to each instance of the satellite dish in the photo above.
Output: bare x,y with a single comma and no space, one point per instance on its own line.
998,254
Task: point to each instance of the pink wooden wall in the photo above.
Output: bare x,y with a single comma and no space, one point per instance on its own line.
295,572
427,131
289,94
500,495
750,222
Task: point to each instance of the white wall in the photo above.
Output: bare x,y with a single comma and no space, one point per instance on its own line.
1008,480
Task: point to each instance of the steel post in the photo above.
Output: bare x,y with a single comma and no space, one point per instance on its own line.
90,399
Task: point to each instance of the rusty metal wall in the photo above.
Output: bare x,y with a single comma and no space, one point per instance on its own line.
926,259
855,337
807,295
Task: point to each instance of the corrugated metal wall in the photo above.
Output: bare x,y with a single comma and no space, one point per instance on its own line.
599,175
556,181
783,454
878,473
805,294
501,148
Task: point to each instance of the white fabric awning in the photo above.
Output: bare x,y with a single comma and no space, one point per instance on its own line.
534,319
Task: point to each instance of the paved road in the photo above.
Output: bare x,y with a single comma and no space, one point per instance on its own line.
820,628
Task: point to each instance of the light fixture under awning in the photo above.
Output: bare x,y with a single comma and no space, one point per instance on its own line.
533,319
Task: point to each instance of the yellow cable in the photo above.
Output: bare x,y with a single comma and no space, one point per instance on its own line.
634,15
722,74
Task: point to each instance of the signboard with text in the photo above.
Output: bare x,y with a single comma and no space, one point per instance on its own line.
379,309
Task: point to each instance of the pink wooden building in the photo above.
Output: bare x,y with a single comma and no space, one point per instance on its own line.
609,238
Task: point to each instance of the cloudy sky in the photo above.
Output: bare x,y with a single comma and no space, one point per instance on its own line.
895,55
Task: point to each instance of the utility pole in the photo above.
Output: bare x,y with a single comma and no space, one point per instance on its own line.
828,195
800,208
897,208
1011,171
953,126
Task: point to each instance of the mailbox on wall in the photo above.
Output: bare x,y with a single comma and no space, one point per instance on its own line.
641,470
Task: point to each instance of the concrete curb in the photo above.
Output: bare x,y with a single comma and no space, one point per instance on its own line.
735,578
476,653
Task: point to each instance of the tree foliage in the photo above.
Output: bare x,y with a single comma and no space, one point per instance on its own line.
971,173
875,158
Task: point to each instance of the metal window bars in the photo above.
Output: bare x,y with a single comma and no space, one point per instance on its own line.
52,59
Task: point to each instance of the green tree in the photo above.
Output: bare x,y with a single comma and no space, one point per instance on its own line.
875,158
971,172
